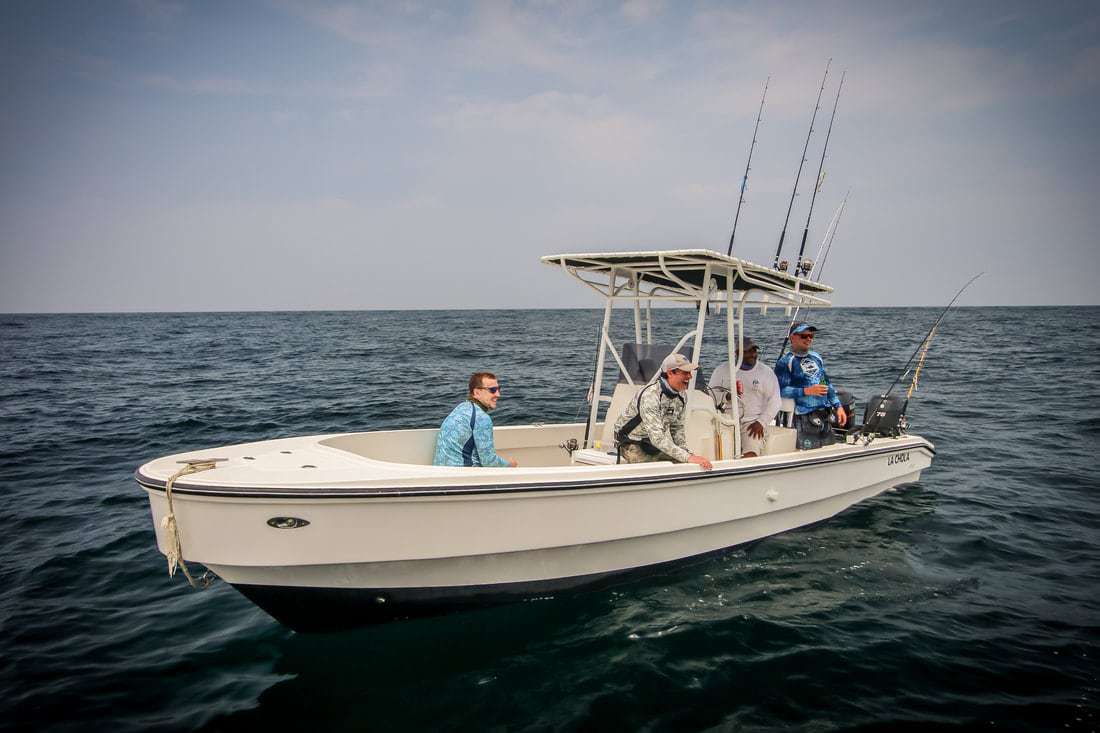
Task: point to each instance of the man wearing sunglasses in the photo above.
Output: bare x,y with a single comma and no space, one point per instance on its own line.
651,427
802,377
466,436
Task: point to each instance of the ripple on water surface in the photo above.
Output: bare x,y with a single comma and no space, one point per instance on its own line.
966,599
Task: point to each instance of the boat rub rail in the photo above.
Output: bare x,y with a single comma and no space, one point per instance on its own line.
358,492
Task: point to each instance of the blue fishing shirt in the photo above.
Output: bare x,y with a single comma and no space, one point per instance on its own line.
466,438
796,372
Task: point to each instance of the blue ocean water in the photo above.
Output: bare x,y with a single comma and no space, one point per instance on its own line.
969,599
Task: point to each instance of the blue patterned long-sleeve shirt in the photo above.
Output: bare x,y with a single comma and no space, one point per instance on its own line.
795,373
466,438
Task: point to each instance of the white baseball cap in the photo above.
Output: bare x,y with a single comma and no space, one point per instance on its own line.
678,361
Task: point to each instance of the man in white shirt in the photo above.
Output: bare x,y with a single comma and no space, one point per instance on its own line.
757,393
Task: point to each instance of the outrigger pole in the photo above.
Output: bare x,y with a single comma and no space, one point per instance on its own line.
794,191
745,178
827,248
798,267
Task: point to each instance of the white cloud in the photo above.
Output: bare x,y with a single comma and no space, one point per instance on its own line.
502,35
390,26
642,10
589,127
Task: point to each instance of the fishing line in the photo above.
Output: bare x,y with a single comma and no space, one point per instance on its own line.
924,344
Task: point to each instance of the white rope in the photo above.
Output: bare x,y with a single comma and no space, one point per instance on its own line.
171,526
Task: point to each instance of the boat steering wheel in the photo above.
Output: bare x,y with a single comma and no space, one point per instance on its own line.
720,395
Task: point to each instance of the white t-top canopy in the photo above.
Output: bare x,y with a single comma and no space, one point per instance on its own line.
682,272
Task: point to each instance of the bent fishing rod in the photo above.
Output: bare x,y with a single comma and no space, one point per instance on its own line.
817,187
745,178
923,345
794,191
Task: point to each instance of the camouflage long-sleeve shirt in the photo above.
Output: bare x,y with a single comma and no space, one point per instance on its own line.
662,411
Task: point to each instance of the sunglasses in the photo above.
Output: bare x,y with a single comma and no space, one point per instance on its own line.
491,390
802,335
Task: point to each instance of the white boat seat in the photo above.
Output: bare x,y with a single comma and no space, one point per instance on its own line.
778,440
622,397
786,412
699,421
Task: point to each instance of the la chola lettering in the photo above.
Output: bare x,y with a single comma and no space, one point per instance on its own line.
897,458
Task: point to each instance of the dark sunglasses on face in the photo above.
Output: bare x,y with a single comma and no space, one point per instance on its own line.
492,390
804,335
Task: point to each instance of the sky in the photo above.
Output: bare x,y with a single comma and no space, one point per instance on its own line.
165,155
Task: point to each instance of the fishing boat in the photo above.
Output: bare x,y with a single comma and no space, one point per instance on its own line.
334,531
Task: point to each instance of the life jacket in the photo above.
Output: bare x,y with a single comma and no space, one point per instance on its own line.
622,435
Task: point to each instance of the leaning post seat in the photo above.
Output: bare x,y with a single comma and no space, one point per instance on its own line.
786,412
702,428
605,452
643,361
624,394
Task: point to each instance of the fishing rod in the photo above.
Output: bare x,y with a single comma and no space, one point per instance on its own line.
745,178
830,232
794,191
923,345
829,247
799,265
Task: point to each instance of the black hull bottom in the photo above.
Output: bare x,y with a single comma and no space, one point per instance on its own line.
307,609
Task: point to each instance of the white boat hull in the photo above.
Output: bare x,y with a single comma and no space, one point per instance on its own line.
372,553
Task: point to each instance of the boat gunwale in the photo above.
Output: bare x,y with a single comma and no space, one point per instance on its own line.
602,482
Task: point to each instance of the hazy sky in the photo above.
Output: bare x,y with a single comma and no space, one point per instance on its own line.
162,155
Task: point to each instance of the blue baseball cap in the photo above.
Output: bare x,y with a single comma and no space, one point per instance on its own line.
802,328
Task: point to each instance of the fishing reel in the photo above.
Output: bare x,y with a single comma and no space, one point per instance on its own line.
569,446
806,267
783,265
821,421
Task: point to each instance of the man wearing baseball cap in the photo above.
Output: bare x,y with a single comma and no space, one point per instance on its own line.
651,427
802,377
757,392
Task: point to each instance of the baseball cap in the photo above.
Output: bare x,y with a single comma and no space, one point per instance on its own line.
803,328
749,344
678,361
